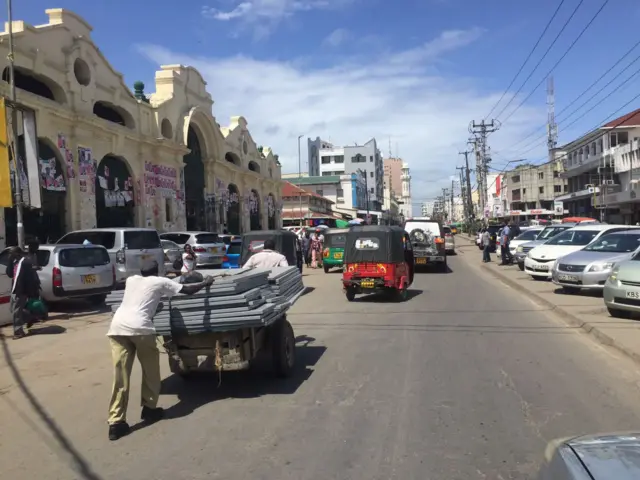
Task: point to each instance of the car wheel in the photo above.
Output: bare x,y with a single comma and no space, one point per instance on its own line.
351,294
97,300
614,312
521,267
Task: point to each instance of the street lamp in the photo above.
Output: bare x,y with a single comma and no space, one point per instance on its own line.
300,179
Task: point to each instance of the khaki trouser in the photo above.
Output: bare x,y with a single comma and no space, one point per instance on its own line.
123,350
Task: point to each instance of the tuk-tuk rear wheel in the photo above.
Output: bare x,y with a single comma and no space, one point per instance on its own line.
402,294
351,294
326,268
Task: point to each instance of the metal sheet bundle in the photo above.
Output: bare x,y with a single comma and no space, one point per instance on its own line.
237,299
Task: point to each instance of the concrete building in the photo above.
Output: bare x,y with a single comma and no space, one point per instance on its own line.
406,208
304,207
326,159
112,157
426,210
393,169
347,192
602,170
532,189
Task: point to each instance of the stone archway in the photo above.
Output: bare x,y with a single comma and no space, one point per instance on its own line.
233,158
49,222
234,225
254,211
271,211
115,199
194,181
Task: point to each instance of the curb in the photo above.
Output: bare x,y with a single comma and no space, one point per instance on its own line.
602,337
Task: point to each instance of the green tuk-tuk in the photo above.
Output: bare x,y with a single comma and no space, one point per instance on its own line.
333,253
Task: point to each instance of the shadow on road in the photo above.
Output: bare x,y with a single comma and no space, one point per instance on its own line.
433,269
68,309
199,390
39,329
78,463
308,290
384,297
579,293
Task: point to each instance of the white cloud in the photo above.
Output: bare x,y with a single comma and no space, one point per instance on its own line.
336,38
396,96
263,16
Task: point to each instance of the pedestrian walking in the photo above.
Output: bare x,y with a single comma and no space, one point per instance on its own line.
306,246
486,246
26,285
316,248
132,334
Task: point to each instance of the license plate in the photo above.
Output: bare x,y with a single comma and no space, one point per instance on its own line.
88,279
421,261
541,268
213,250
633,294
367,284
337,255
568,278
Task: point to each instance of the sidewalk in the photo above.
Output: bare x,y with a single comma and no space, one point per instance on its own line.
585,310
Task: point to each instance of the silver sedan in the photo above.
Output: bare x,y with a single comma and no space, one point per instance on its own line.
590,267
622,289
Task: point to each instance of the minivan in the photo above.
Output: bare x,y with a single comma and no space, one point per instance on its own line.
127,247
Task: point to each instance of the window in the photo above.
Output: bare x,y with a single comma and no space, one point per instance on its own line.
557,188
540,175
371,189
326,174
524,191
556,174
97,237
179,238
83,257
141,239
338,159
207,238
574,237
167,210
325,159
541,189
371,174
566,188
515,178
235,248
618,138
371,158
339,192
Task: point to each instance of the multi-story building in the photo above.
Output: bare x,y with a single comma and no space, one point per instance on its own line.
305,207
426,210
393,169
532,189
602,170
391,207
98,154
347,192
326,159
405,196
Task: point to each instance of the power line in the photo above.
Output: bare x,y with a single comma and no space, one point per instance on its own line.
527,59
575,10
609,70
604,4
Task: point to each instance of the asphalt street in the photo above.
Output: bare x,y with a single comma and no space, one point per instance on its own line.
466,380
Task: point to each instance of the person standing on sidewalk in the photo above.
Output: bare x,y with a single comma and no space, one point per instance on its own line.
504,244
486,246
132,334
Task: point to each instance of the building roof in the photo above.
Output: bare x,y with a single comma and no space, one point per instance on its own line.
316,180
291,190
631,119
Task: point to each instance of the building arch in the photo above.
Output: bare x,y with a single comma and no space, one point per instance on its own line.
115,199
254,166
234,225
254,211
207,129
233,158
271,211
194,180
113,113
37,84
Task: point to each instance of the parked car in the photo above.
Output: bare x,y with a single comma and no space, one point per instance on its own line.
228,238
207,246
529,234
539,261
70,271
232,257
172,256
591,266
622,288
449,240
545,235
128,247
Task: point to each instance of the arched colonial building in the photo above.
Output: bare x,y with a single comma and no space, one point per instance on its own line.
112,157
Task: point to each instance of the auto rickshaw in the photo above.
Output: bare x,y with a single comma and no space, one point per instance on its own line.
377,258
333,252
287,244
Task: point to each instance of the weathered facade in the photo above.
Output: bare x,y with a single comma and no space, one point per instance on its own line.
112,157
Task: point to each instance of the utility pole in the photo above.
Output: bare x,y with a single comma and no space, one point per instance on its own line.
14,132
452,183
480,131
462,193
469,204
445,194
300,179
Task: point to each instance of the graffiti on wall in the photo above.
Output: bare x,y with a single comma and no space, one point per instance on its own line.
87,168
162,182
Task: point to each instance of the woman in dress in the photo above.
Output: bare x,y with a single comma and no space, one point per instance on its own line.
316,249
188,260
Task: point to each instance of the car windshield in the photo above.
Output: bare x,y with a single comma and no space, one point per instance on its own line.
573,238
528,235
141,239
550,232
615,243
235,248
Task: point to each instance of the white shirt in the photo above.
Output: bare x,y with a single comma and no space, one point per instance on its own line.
139,304
267,259
188,264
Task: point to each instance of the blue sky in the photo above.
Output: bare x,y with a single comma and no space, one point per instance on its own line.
415,71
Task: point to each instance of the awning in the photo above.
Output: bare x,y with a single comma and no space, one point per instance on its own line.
296,214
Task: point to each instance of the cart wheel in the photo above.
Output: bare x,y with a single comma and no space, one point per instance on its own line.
284,348
326,268
351,294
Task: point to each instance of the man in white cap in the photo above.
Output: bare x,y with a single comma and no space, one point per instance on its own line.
132,334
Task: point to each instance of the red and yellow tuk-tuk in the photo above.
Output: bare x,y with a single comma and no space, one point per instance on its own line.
377,258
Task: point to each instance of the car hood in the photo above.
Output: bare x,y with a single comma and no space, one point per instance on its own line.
552,252
533,243
609,456
629,271
582,257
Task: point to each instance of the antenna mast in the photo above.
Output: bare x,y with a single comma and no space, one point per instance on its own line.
552,126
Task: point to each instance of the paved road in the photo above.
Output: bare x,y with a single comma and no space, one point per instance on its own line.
467,380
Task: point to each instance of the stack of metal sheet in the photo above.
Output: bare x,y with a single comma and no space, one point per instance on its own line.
237,299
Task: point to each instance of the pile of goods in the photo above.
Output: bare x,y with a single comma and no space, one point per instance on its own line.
238,298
